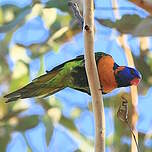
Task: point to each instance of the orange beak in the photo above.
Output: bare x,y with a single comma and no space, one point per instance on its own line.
135,81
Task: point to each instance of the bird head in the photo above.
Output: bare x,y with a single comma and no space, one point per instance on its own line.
127,76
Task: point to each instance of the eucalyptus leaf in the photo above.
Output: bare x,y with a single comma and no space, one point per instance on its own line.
62,5
19,82
49,128
3,142
78,150
9,26
130,24
27,122
5,136
11,114
144,28
44,103
69,123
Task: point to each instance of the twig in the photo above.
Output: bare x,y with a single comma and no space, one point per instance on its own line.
122,114
92,74
27,143
143,4
134,93
75,9
133,136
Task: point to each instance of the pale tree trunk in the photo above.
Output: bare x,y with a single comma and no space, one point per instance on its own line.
92,74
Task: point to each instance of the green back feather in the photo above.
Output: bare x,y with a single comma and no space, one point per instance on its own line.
69,74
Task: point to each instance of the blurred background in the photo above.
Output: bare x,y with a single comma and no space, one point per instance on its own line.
37,35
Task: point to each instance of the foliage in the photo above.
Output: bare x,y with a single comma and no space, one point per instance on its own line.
131,24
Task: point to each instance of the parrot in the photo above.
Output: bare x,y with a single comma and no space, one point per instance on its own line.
72,74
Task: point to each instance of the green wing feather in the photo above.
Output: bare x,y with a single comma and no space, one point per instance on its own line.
69,74
37,87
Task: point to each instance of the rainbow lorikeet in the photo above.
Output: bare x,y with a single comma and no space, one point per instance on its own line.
72,74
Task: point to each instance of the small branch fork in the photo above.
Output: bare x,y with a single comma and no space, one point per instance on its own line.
122,114
75,9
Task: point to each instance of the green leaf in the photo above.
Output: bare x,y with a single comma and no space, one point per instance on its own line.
44,103
130,24
85,144
62,5
144,28
124,25
29,150
1,16
11,114
41,71
49,128
4,141
78,150
9,26
27,122
5,136
68,123
19,82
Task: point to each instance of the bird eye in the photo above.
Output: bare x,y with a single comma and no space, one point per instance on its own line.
132,71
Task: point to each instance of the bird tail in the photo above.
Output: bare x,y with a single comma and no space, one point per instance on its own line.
40,86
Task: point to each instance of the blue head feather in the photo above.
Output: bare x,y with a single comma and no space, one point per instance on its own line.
125,75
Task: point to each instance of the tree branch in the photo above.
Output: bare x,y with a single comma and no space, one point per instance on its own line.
92,75
75,9
143,4
134,92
